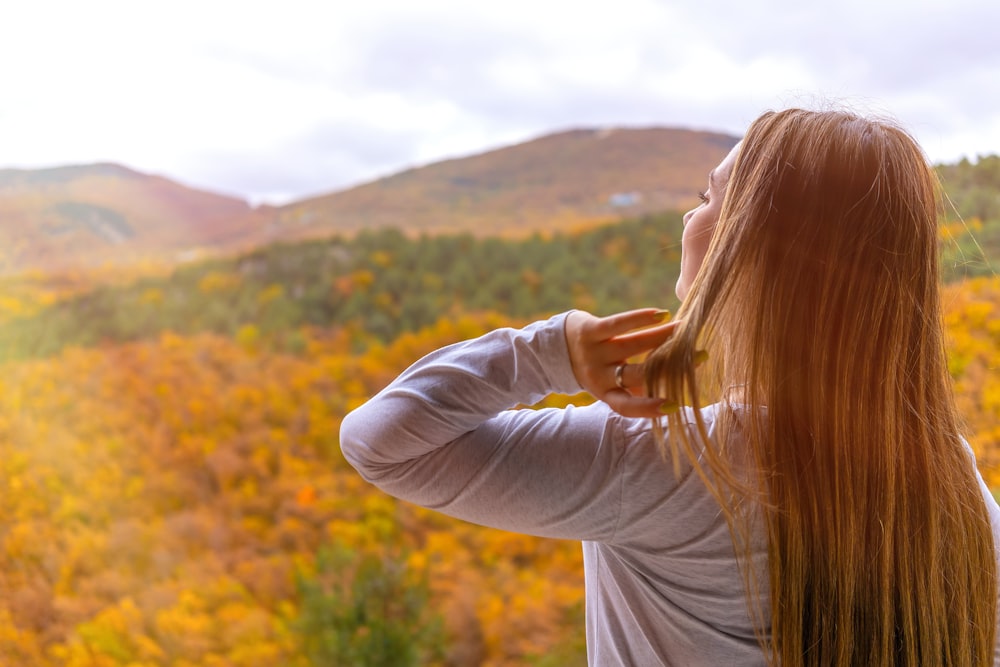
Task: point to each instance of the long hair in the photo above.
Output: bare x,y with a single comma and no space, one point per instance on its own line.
818,302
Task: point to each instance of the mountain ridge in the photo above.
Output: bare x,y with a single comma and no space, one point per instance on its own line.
566,177
81,216
71,217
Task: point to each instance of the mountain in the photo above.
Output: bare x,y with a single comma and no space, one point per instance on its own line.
105,214
101,214
556,181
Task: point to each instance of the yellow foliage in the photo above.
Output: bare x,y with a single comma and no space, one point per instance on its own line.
381,258
972,325
219,282
19,646
248,336
169,489
270,293
152,295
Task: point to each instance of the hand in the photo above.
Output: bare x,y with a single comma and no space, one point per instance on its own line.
599,345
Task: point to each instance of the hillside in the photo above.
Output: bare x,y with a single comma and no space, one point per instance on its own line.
174,489
554,182
101,214
98,215
380,282
81,217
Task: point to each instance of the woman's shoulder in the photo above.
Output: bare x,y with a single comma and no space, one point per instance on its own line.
641,430
666,503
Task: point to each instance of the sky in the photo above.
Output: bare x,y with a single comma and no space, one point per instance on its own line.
281,100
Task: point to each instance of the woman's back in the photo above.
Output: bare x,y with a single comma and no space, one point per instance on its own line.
672,571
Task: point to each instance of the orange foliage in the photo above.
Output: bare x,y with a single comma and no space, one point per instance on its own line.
972,321
160,499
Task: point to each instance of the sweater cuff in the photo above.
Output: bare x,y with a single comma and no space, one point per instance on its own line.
554,350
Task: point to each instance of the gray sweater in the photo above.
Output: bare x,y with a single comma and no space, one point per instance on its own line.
662,582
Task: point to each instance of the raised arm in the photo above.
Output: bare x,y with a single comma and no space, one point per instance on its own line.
442,435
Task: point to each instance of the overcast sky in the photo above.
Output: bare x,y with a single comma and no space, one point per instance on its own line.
273,101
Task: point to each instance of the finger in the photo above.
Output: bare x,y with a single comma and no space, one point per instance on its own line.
615,325
634,376
627,376
628,405
637,342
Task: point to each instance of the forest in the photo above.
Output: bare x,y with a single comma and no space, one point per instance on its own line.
172,483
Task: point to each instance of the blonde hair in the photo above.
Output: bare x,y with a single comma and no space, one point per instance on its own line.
818,302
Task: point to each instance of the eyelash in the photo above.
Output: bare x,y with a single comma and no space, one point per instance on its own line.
703,197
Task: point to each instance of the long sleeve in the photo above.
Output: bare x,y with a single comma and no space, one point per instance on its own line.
443,435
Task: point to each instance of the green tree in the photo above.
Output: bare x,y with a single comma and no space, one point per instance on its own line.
367,610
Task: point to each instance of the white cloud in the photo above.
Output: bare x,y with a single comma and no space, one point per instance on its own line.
285,100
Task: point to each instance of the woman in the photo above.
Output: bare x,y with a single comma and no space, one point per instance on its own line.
823,509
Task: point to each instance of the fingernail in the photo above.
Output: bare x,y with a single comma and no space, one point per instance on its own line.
700,357
662,315
668,408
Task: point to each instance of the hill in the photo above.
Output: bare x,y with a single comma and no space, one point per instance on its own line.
100,214
182,500
554,182
85,216
177,492
81,217
381,282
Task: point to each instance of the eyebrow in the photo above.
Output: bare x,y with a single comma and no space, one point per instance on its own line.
711,177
